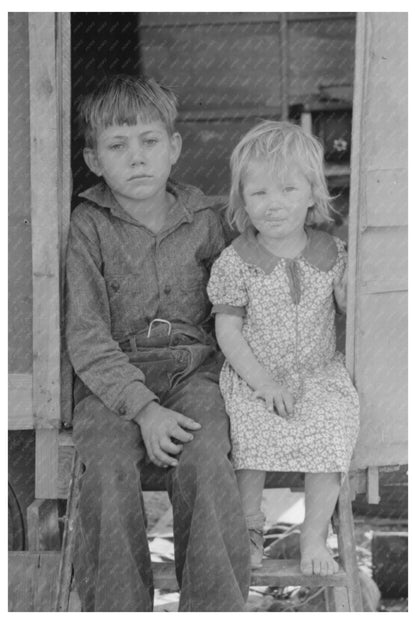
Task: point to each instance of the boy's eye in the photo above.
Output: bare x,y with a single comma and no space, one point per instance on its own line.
288,189
258,193
116,146
150,141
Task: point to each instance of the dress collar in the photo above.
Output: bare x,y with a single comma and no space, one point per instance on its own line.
320,251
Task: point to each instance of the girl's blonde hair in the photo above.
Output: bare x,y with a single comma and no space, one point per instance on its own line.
279,143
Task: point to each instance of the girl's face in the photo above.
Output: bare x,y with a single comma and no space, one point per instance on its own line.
277,205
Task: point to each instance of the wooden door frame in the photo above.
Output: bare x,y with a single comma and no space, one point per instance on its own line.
49,67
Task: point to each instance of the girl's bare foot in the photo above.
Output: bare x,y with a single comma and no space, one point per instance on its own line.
315,557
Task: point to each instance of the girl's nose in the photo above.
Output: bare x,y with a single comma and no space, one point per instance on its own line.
277,201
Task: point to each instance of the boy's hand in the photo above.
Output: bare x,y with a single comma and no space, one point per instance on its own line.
340,291
277,398
158,426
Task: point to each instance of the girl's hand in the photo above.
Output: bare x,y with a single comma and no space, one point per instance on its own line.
277,398
340,291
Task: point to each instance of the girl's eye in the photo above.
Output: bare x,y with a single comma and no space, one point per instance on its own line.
117,146
288,189
258,193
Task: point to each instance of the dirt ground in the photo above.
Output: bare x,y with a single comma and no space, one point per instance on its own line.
280,599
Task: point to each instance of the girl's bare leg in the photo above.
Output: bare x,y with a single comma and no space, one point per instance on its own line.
321,493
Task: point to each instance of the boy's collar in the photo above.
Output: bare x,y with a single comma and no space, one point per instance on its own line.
101,195
320,250
183,208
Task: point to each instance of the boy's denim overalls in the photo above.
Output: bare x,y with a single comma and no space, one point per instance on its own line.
180,365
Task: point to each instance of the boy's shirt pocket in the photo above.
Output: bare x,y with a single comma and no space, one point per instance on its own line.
131,299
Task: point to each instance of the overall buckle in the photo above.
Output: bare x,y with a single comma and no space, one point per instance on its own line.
159,320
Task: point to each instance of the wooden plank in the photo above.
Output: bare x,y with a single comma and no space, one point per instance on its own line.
232,113
373,496
284,572
22,571
358,482
32,581
386,198
63,51
348,553
47,460
19,231
45,162
336,599
274,572
50,196
376,346
284,67
20,401
68,540
46,589
367,455
167,20
42,525
355,191
385,144
381,369
66,454
254,55
383,257
32,575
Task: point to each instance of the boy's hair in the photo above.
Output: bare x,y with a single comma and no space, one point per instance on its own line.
121,99
278,143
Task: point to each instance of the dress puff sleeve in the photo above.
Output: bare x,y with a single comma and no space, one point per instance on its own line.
226,287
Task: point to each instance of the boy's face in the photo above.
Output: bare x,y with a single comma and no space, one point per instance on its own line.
135,161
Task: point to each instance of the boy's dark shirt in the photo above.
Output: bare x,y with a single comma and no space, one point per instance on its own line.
120,276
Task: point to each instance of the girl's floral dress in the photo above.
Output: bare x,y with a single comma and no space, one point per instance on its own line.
288,312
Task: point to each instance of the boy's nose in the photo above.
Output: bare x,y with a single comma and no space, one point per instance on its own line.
136,155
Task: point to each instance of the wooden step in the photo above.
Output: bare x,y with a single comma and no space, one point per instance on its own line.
285,572
33,577
274,572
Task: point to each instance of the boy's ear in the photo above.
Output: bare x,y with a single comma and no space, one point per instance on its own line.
91,161
176,147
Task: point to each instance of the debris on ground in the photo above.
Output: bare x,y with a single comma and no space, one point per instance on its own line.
281,542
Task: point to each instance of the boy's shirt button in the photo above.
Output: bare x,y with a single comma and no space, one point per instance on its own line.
122,410
167,290
114,285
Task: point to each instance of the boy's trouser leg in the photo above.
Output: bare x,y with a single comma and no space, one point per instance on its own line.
111,560
211,539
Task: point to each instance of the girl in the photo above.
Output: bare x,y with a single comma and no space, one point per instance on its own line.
291,403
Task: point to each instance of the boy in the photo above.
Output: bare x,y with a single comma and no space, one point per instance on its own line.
146,393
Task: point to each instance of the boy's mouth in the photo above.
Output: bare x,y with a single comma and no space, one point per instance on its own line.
139,177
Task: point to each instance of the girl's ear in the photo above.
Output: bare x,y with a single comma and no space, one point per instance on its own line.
312,199
92,161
